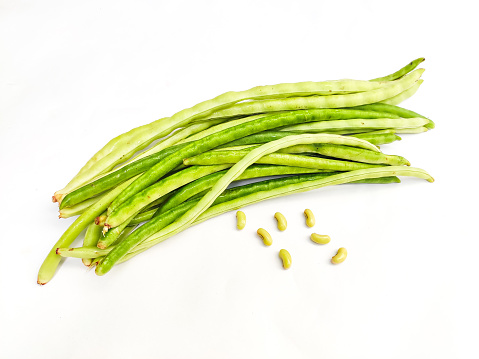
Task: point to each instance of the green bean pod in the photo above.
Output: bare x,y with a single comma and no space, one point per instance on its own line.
396,110
260,189
390,89
176,158
130,142
50,264
122,249
204,183
113,179
401,72
111,236
404,95
128,209
349,153
92,235
281,159
78,208
354,124
143,216
346,177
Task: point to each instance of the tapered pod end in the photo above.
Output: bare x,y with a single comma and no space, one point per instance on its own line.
87,262
99,270
42,281
101,245
54,199
419,60
105,229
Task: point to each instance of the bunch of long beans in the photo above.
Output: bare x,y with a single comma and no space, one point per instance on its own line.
306,135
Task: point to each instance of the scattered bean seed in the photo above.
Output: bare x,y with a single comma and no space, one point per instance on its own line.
240,220
310,220
282,223
340,257
286,258
320,238
265,236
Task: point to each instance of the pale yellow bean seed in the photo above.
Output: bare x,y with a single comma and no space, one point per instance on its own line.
340,256
240,220
282,223
310,220
320,238
286,258
265,236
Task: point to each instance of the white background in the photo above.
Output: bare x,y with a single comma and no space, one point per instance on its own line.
74,75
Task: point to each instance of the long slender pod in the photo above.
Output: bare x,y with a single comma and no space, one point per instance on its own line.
396,100
217,139
356,124
122,248
260,189
78,208
254,171
227,158
117,177
389,90
51,262
396,110
349,153
378,138
401,72
92,235
113,152
280,159
131,207
346,177
334,114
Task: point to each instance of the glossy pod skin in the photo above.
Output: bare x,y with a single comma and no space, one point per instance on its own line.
373,137
390,89
206,201
206,182
340,257
191,149
286,159
111,180
282,223
238,197
310,220
134,204
286,258
394,110
130,142
51,262
401,72
265,236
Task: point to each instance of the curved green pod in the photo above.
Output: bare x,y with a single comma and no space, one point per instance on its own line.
212,141
183,222
401,72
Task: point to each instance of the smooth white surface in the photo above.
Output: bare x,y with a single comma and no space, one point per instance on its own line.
72,76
